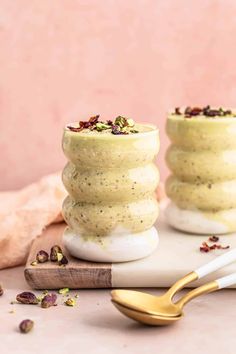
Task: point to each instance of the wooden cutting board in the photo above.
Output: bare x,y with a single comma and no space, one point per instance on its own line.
176,255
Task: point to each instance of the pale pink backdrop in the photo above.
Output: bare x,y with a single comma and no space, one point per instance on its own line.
64,60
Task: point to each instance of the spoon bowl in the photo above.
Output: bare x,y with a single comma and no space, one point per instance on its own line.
151,320
146,303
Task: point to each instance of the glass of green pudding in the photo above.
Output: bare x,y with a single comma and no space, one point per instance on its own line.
111,180
202,160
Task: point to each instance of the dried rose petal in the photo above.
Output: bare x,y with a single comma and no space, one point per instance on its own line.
27,298
94,120
212,113
196,111
86,125
177,111
42,256
205,109
228,111
206,248
53,253
116,130
74,129
188,110
220,247
214,238
49,300
26,325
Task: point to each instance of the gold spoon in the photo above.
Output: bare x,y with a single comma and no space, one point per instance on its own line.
175,310
163,305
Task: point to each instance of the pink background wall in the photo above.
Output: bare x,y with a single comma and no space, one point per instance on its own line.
64,60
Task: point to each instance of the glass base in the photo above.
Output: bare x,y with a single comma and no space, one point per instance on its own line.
111,248
201,222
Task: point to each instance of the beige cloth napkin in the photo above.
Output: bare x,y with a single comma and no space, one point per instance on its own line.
25,213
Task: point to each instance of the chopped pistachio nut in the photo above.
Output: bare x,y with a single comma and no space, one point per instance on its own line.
59,256
26,297
121,121
102,126
34,263
40,298
134,131
130,122
63,291
70,302
26,326
49,300
53,253
76,296
63,262
42,256
11,311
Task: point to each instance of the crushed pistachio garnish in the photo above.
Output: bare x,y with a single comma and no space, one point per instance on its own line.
53,253
70,302
207,111
102,126
42,256
59,256
121,125
40,297
63,291
34,263
64,261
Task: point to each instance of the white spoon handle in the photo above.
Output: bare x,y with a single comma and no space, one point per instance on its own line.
208,288
226,281
217,263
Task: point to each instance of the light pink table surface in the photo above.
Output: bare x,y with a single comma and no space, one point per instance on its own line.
95,326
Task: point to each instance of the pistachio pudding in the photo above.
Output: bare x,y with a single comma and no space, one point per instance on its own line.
202,159
111,180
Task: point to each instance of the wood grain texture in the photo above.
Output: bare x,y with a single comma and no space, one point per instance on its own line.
77,274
